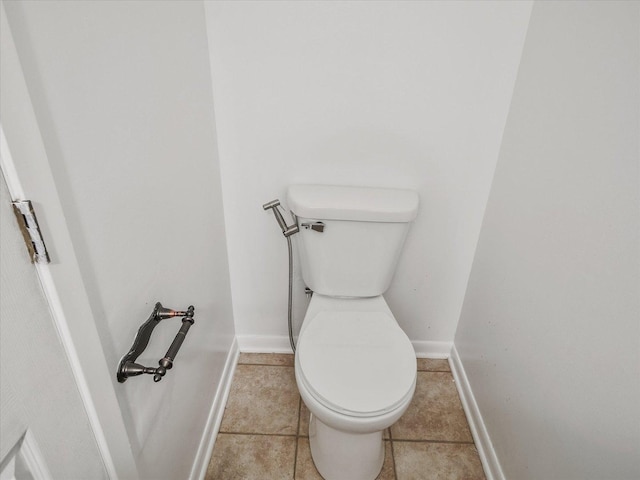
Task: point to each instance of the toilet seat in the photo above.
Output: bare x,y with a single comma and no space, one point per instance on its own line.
357,363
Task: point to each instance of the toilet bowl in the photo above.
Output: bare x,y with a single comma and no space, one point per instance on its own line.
355,381
355,367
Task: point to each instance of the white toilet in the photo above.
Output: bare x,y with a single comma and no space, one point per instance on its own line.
355,367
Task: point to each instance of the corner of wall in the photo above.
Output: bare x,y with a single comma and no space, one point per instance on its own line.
488,457
495,166
214,419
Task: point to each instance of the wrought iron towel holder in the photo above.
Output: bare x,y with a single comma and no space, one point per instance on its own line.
128,366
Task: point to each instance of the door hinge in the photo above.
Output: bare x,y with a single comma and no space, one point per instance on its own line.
30,229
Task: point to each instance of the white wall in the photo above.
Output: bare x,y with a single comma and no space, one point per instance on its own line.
122,93
411,94
549,335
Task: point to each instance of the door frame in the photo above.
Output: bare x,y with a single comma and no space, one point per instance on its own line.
28,174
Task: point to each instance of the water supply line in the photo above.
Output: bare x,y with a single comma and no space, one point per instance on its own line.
287,231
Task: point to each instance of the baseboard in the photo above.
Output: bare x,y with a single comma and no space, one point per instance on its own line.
488,457
280,344
427,349
199,468
264,344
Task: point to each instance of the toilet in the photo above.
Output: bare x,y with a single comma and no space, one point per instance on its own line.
355,367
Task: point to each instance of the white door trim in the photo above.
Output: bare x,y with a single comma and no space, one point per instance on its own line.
28,452
28,174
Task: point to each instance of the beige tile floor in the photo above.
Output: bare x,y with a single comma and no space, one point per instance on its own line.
264,433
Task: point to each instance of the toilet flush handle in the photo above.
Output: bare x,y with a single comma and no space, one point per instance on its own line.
316,226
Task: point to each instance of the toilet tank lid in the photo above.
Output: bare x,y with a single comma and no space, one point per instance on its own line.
364,204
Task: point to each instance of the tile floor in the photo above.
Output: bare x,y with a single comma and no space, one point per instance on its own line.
264,432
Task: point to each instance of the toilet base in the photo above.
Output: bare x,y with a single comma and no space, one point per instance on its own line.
340,455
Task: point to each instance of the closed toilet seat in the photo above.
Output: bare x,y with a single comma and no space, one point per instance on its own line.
356,363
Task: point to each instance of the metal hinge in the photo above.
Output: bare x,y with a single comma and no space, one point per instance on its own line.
30,229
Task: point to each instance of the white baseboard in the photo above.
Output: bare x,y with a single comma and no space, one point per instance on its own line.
264,344
201,462
280,344
427,349
488,457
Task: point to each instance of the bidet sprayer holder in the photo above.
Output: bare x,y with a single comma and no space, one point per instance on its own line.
128,366
287,231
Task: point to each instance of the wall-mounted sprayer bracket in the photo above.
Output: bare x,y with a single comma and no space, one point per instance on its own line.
287,231
128,366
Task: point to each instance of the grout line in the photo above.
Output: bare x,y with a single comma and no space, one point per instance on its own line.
295,456
299,415
260,434
292,366
453,442
434,371
264,365
393,455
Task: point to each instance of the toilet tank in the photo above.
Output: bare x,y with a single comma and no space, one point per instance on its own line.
363,231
